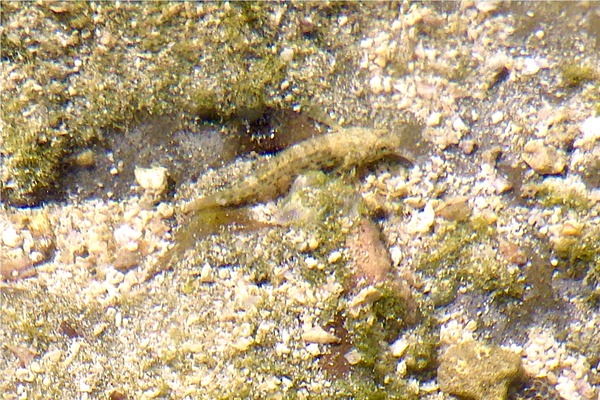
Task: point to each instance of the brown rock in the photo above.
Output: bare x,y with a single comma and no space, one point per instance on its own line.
368,255
512,252
126,260
456,209
477,371
544,159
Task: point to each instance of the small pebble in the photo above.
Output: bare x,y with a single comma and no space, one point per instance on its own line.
11,238
85,159
590,129
319,335
544,159
153,180
399,347
334,257
434,119
311,262
287,55
376,84
165,211
459,125
497,117
353,357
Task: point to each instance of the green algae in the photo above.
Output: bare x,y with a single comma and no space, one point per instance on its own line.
464,254
371,333
478,371
324,205
552,195
576,74
105,90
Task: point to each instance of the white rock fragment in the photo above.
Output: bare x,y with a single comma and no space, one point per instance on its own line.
497,117
544,159
313,349
319,335
35,367
487,6
366,43
127,237
376,84
459,125
590,129
287,55
334,257
165,211
530,66
206,274
53,356
501,185
434,119
152,180
353,357
11,238
399,347
311,262
396,255
423,221
243,344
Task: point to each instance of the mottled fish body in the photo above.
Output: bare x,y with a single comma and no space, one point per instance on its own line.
343,148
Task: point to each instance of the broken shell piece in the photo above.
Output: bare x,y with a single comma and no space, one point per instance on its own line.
319,335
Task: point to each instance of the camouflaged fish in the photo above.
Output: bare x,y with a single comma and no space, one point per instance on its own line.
343,149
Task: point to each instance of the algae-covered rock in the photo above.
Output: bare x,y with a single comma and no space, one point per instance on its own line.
478,371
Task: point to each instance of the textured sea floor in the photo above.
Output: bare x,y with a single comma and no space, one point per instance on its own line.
361,283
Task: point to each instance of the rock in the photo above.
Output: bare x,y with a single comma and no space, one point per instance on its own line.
398,348
367,253
376,84
456,209
590,133
353,357
319,335
477,371
512,252
287,55
497,117
423,221
85,159
126,260
152,180
544,159
11,238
